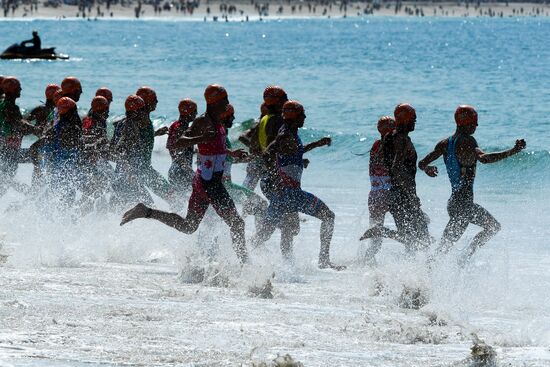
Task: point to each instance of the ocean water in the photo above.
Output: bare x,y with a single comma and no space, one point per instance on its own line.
89,292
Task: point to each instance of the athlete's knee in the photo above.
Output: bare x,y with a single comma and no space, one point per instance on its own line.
494,227
327,215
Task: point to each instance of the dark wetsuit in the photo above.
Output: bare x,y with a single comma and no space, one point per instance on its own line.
267,131
11,136
461,207
98,171
134,146
63,152
404,204
181,170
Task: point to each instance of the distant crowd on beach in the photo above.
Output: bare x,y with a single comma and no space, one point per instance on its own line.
259,9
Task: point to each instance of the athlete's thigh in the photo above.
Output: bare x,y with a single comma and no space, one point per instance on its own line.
222,203
198,202
307,203
481,217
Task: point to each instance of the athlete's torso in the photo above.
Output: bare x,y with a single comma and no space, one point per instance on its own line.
378,171
212,154
291,166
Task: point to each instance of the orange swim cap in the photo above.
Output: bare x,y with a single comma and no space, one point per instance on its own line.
263,110
64,105
50,91
214,93
292,110
187,107
134,103
11,85
57,96
100,104
147,94
274,95
404,114
229,111
465,115
70,85
105,92
386,124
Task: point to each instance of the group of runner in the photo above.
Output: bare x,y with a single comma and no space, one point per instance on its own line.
73,154
392,171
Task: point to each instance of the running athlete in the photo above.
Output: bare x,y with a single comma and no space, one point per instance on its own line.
461,153
43,114
63,148
252,203
208,133
181,170
255,167
97,169
380,181
260,137
404,204
132,153
289,197
12,129
146,173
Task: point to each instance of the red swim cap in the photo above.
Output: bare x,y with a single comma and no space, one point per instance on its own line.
64,105
229,111
404,114
11,85
187,107
134,103
71,85
465,115
57,95
105,92
386,124
100,104
292,110
214,93
147,94
50,91
274,95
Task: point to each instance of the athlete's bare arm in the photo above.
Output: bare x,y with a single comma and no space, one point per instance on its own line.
438,151
201,131
284,143
498,156
317,144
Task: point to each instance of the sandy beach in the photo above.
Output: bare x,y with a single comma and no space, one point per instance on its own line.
245,11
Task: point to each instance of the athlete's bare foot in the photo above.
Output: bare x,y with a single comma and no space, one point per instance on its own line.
326,264
371,232
138,211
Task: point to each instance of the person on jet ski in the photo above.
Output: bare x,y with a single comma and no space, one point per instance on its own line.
35,42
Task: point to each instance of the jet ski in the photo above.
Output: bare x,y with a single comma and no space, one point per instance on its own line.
16,51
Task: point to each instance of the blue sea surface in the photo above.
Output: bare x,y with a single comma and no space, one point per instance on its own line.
346,72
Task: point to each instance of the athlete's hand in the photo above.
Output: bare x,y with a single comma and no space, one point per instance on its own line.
306,162
431,171
162,131
520,145
325,141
